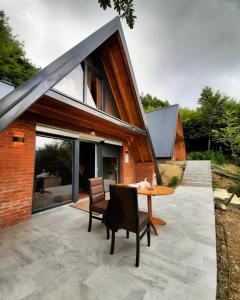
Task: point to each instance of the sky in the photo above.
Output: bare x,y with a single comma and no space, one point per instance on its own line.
176,47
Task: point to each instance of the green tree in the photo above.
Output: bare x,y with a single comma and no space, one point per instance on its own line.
194,133
212,108
228,133
152,103
13,62
124,8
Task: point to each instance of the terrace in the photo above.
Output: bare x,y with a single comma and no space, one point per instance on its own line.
54,257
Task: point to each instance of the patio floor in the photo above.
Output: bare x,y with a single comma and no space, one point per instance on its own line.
54,257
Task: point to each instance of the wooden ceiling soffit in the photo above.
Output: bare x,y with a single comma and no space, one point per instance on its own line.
81,120
78,108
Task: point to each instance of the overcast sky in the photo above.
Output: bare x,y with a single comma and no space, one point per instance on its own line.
176,46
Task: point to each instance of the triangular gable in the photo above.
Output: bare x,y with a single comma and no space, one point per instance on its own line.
14,104
24,96
162,124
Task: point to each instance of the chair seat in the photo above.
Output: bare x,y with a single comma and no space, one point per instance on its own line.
143,219
100,207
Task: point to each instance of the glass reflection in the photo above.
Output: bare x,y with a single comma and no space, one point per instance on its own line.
72,84
53,172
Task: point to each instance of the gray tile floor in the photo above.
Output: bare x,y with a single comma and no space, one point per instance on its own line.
54,257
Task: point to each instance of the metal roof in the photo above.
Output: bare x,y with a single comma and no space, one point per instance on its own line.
5,88
162,125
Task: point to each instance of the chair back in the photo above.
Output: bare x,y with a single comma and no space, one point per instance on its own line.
96,190
125,200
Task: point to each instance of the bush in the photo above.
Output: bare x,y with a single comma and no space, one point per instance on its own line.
215,157
174,181
235,189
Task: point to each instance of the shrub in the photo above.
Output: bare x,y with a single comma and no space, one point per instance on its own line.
174,181
215,157
235,189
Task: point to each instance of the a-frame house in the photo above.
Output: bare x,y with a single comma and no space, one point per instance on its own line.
165,127
79,117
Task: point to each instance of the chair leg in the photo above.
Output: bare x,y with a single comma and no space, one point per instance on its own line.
90,222
127,232
108,233
137,249
113,242
148,234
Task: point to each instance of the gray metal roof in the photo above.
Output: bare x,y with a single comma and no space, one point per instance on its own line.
162,125
5,88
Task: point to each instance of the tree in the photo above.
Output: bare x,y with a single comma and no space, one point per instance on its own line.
229,135
194,133
152,103
124,8
212,108
13,62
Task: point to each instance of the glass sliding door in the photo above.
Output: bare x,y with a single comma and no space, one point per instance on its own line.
86,167
110,164
53,172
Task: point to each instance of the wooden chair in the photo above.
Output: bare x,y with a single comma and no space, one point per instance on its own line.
97,203
124,200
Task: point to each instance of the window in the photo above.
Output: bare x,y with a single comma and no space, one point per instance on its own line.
98,92
72,84
53,172
109,102
94,91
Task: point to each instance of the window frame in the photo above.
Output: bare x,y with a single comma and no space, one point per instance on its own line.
105,86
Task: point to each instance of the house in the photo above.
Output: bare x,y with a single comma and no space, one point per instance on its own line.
165,127
79,117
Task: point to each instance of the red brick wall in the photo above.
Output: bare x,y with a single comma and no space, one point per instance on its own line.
16,172
132,172
144,170
127,169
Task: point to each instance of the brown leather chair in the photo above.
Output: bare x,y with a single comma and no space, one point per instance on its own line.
124,209
97,203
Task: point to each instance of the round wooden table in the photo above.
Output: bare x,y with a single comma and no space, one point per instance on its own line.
158,191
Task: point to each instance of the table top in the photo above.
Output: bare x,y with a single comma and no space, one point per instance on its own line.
158,191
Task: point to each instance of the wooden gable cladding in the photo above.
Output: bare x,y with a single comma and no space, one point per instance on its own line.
179,129
120,81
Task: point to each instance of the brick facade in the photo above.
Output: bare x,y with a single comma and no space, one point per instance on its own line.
16,172
134,172
144,170
128,174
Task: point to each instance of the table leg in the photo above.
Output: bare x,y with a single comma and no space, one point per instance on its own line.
154,220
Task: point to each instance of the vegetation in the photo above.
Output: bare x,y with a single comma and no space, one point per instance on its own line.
151,103
215,157
235,189
174,181
55,159
213,126
124,8
13,62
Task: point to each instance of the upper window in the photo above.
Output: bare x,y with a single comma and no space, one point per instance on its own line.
87,83
94,89
98,91
72,84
